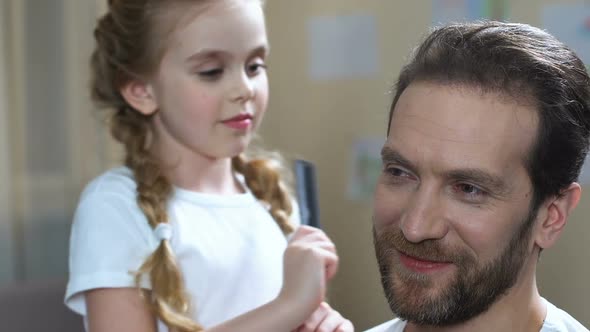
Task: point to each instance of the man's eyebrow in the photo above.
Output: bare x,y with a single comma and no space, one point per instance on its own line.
480,177
390,155
491,182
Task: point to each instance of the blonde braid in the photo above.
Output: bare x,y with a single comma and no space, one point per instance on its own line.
111,69
263,178
167,297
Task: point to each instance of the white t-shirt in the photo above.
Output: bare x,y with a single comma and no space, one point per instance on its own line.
556,320
228,247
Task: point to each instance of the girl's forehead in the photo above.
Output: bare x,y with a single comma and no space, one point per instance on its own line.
226,25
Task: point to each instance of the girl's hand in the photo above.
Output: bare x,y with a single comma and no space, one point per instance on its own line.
326,319
310,261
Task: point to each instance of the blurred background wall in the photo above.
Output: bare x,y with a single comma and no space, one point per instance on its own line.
331,67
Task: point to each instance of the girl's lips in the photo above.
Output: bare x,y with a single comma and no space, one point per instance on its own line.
422,266
241,121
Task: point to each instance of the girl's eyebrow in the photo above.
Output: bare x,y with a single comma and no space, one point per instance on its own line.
208,53
261,50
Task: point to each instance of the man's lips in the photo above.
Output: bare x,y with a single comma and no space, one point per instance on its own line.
422,265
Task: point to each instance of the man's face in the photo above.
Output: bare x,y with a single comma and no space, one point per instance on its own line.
452,218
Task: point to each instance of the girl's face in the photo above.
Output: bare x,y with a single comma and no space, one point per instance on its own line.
211,89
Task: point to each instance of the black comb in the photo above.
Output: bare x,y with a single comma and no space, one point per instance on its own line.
307,193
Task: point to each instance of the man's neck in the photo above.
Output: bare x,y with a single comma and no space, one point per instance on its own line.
521,309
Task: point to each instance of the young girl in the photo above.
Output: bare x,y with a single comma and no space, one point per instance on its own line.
191,221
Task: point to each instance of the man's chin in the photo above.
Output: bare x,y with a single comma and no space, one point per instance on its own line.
422,310
417,297
411,295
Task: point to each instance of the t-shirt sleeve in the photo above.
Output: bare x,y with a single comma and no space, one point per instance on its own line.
110,239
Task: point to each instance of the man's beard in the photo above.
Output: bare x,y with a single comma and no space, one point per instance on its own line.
473,289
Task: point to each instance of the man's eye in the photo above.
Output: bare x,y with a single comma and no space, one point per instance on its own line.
469,190
397,172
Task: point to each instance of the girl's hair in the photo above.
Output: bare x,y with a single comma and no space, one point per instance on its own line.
126,50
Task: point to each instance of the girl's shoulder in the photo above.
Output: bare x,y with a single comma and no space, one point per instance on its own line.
111,199
109,237
117,181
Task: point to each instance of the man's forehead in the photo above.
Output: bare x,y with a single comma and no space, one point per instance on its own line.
464,114
446,128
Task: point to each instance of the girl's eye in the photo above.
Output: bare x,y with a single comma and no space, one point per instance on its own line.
211,73
256,68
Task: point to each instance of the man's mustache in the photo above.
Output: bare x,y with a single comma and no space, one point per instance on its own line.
390,240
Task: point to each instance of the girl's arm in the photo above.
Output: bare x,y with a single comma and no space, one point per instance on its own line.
324,318
118,309
310,261
123,309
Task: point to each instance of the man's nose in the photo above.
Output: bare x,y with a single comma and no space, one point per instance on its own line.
424,218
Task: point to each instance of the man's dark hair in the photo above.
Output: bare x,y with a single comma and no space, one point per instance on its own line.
528,64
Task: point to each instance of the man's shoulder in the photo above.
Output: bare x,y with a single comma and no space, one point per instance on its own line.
395,325
558,320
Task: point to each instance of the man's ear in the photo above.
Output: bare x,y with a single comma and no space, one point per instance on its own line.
555,217
140,96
